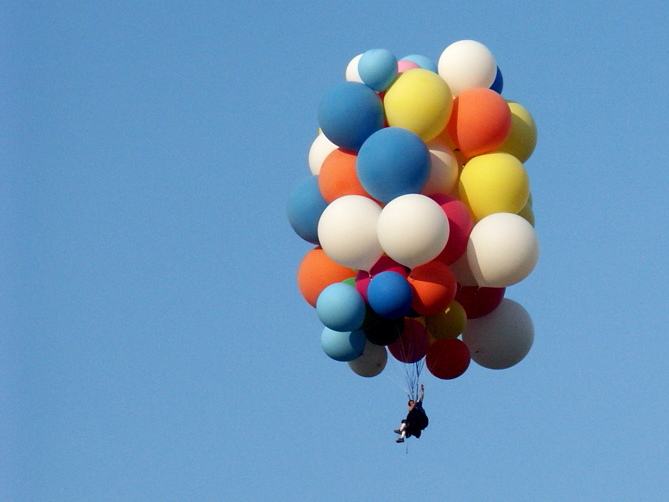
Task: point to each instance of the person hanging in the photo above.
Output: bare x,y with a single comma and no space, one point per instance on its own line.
416,420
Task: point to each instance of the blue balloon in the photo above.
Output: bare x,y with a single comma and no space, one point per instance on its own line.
389,295
422,61
305,206
349,113
340,307
377,69
498,84
343,345
393,162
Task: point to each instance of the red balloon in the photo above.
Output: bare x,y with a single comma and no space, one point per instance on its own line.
478,302
384,264
433,287
448,358
412,344
460,226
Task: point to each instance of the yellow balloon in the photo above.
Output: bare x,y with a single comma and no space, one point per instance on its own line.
494,183
522,137
420,101
527,212
448,324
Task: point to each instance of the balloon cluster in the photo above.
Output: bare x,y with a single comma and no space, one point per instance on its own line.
420,209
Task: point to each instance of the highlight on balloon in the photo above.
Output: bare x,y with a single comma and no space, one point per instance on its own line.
418,211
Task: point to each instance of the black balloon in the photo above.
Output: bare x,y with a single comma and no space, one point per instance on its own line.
381,331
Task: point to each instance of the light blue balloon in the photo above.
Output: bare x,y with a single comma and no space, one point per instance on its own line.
343,345
422,61
340,307
377,68
349,114
393,162
305,206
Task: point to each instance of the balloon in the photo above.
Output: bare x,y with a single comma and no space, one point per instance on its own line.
502,250
433,287
316,272
320,149
449,323
377,69
461,271
419,101
480,121
412,344
494,183
522,138
385,263
352,74
477,301
422,61
447,359
460,225
347,231
393,162
412,229
498,84
467,64
349,113
381,331
338,176
406,65
527,213
444,170
372,361
305,206
389,295
350,281
502,338
343,346
340,307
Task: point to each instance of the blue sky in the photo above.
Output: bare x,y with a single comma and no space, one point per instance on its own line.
154,345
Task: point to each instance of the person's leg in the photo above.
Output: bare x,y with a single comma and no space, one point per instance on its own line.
403,425
402,431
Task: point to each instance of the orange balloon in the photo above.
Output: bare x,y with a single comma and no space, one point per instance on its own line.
338,177
433,288
480,121
316,272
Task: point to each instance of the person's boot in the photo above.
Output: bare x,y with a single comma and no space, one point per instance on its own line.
400,439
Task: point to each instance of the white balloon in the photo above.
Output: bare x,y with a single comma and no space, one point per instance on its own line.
462,272
319,150
502,250
352,74
502,338
412,229
372,361
444,170
347,231
467,64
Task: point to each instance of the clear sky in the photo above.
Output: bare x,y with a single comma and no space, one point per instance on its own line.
154,345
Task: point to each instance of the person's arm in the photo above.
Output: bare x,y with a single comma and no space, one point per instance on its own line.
421,393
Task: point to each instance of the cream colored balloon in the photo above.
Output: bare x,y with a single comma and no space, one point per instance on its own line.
444,170
462,272
347,231
372,361
502,338
502,250
318,152
412,229
466,64
352,74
